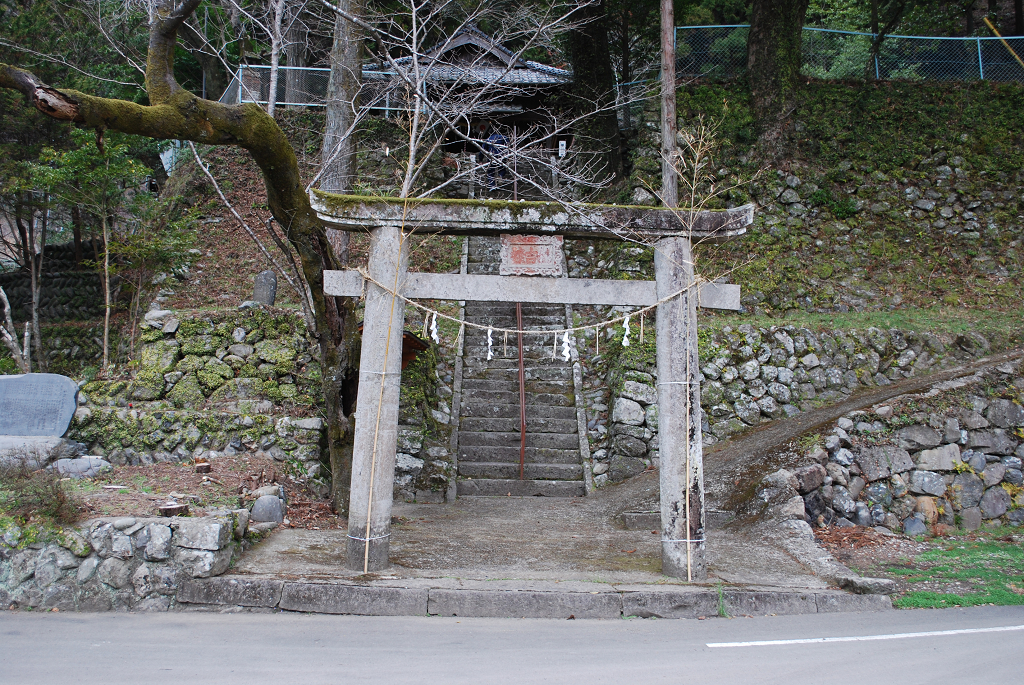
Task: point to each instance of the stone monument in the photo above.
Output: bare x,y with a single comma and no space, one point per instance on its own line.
265,289
35,411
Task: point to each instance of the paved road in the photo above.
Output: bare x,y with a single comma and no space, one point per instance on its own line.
192,648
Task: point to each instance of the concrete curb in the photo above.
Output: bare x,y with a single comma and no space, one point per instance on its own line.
627,601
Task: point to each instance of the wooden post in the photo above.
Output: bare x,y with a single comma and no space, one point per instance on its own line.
376,431
681,467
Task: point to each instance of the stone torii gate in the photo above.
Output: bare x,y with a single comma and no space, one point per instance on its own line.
390,221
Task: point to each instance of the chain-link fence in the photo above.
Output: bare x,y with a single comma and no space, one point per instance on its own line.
720,52
307,87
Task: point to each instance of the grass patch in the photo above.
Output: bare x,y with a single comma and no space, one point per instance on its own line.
987,568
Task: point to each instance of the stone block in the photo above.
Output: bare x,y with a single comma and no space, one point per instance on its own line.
1005,414
863,585
927,507
651,416
927,483
82,467
200,563
794,509
881,462
743,602
628,412
255,592
353,599
970,519
993,474
918,437
809,478
114,572
268,508
158,547
524,604
914,526
670,603
202,534
629,446
639,392
967,490
159,357
621,468
830,603
943,458
994,441
994,503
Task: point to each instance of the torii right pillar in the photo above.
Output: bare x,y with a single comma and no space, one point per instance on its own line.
681,466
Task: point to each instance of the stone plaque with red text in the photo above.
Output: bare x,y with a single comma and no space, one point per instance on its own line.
531,255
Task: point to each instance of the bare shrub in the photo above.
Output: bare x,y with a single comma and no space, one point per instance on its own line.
37,494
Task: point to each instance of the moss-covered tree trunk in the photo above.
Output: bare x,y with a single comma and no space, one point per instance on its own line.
593,88
773,63
175,113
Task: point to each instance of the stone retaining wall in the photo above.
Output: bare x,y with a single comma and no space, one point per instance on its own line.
63,296
950,457
751,376
116,564
209,383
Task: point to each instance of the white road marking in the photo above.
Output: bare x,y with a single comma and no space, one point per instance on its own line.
864,638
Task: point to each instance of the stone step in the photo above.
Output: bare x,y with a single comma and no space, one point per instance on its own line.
507,455
480,362
530,323
511,411
557,386
530,471
562,441
503,308
477,397
521,488
510,425
536,352
544,373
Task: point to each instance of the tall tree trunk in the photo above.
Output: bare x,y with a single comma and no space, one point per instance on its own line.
295,51
593,88
1018,17
969,16
276,46
773,64
338,154
106,291
76,229
215,78
625,69
37,283
669,180
338,158
23,237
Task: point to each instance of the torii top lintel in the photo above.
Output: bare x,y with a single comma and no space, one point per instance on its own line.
492,217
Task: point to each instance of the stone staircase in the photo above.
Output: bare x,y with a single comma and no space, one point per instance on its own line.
489,436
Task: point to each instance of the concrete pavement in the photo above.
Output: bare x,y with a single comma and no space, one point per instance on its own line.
311,649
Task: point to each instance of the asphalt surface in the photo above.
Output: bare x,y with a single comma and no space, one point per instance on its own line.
312,649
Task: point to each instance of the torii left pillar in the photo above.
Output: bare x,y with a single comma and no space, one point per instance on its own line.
380,377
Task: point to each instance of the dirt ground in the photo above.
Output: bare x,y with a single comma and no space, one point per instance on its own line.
140,490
